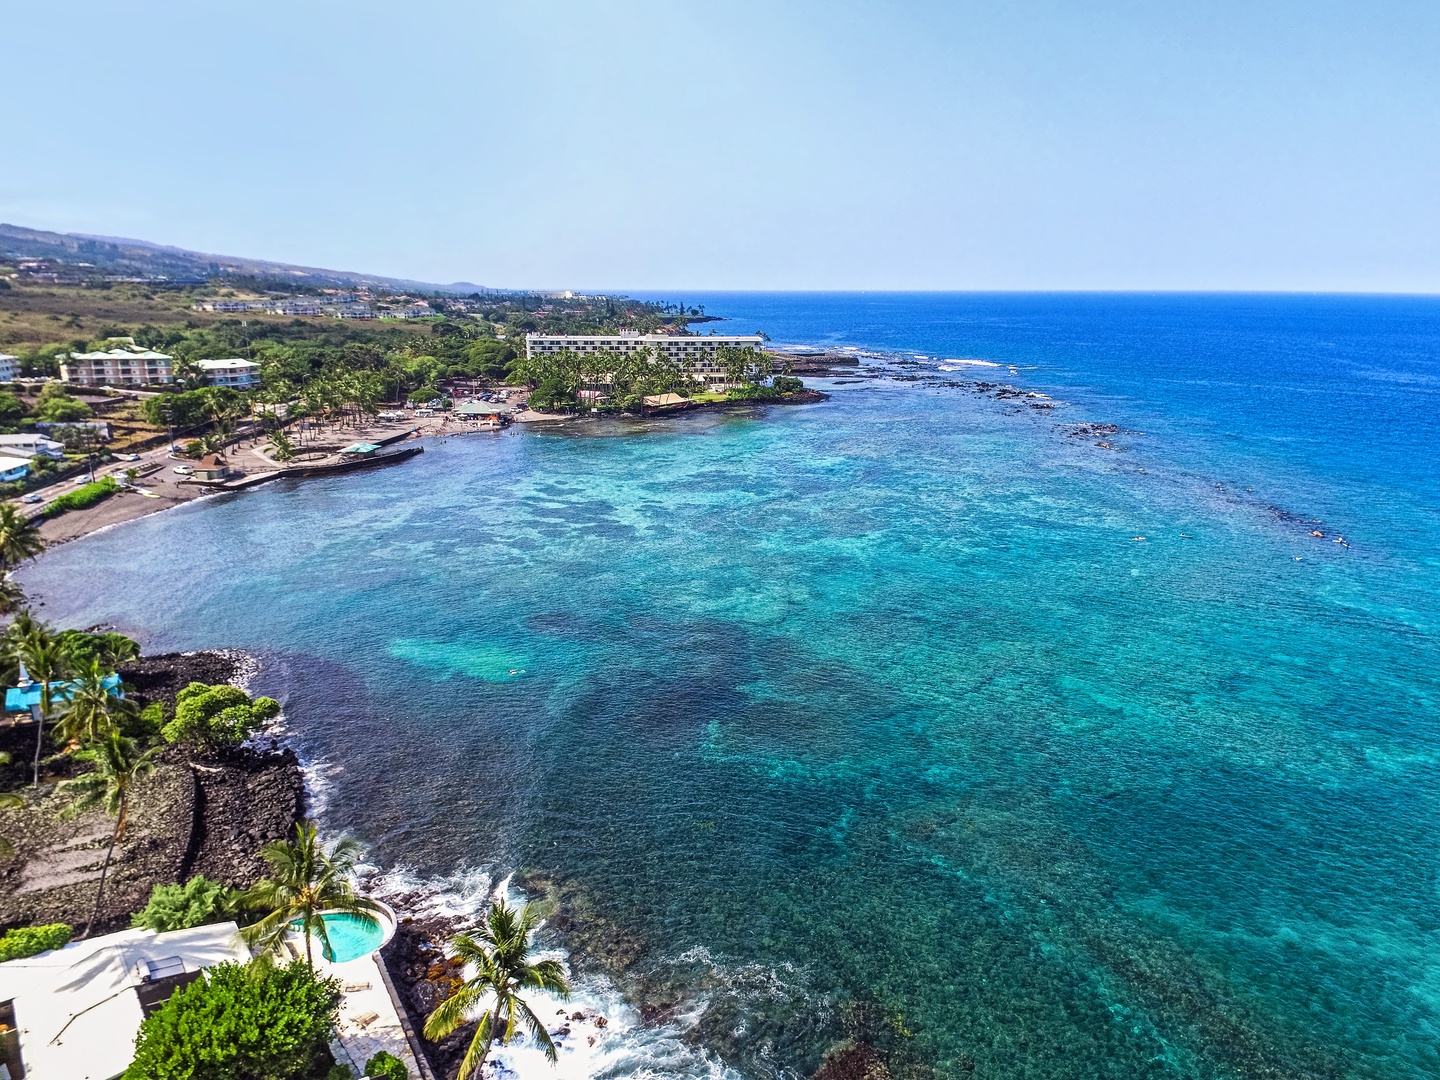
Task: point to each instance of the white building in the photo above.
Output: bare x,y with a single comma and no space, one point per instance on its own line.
241,374
230,305
13,468
295,307
9,367
127,364
30,444
77,1009
699,354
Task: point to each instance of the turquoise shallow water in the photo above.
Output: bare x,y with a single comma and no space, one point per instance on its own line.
875,716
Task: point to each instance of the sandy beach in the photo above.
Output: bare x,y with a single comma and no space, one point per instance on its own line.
159,487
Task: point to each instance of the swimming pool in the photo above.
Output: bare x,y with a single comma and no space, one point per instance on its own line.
353,936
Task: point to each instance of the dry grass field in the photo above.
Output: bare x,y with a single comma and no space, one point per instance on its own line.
33,315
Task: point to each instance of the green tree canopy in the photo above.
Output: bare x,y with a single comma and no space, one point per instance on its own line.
213,716
109,649
63,410
12,409
240,1022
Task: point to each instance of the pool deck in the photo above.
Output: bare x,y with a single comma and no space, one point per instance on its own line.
367,992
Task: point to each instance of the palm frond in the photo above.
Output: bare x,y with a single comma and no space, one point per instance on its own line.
454,1012
479,1046
537,1029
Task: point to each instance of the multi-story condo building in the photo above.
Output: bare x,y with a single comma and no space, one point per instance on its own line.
295,307
241,374
9,367
127,364
699,353
230,305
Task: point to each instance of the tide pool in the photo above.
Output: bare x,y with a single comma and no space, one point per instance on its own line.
913,716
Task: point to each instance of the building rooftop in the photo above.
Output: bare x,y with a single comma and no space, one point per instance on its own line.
129,352
21,698
235,362
78,1008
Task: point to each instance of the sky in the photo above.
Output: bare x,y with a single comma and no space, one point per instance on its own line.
777,144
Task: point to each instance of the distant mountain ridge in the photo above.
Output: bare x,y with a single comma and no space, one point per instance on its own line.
121,255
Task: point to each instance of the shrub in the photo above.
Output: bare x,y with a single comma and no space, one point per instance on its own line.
425,394
109,648
63,410
339,1072
253,1020
83,498
386,1066
146,725
217,715
179,907
30,940
751,392
787,384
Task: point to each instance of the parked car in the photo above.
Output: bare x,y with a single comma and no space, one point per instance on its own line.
127,457
33,497
182,470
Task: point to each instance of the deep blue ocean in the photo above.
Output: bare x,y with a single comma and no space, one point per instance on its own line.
1013,745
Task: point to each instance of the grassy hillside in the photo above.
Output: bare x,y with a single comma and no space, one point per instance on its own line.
35,315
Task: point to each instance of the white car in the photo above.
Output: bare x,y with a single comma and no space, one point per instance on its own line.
182,470
33,497
127,457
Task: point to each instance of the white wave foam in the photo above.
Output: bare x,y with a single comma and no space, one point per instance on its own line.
960,365
597,1033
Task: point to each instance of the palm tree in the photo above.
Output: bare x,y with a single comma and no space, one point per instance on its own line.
305,881
8,799
12,597
91,713
119,762
210,444
282,449
48,661
499,956
19,537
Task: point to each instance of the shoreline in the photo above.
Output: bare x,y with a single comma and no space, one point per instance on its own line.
198,815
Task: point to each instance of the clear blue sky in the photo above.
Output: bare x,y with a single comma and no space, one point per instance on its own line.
768,145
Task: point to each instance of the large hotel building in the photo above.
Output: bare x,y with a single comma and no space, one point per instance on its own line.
699,353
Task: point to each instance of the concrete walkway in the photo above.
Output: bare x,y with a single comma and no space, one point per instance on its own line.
369,1020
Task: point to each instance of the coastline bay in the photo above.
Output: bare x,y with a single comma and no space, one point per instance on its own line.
875,717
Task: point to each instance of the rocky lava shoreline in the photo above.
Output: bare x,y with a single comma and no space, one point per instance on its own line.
206,815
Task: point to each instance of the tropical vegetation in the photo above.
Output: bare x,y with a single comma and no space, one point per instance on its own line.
386,1066
8,800
91,711
84,497
305,880
26,941
217,716
253,1021
119,763
19,538
500,966
48,662
179,907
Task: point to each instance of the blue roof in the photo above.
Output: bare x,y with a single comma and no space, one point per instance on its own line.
22,699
